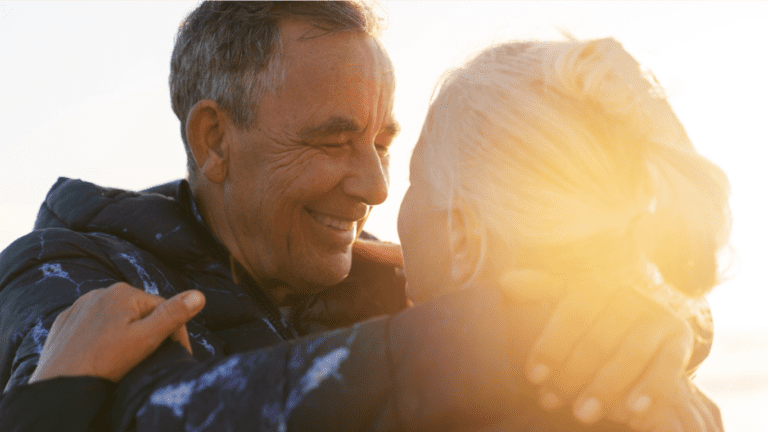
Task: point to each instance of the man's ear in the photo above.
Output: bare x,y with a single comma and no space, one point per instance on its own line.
205,137
466,243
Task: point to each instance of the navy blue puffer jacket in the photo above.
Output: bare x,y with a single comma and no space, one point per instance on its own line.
337,361
88,237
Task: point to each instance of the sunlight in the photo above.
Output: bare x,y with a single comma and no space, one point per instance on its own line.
88,99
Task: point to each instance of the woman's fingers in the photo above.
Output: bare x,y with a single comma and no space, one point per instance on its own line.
168,318
155,318
106,332
182,337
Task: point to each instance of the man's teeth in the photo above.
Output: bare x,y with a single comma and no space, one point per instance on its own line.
334,223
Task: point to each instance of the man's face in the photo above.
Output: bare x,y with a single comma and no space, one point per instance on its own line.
302,179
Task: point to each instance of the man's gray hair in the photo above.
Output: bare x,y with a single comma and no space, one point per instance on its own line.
229,52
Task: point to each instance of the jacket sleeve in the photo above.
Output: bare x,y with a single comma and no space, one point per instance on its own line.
67,404
41,274
445,364
348,379
426,368
329,381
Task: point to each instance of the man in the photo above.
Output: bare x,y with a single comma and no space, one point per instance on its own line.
286,115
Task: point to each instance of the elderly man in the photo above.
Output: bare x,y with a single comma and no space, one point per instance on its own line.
286,115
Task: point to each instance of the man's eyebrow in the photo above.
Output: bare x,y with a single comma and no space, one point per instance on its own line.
338,125
332,126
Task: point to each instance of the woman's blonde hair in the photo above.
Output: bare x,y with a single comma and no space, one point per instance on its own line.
566,157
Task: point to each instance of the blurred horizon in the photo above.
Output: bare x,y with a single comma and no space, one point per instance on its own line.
85,86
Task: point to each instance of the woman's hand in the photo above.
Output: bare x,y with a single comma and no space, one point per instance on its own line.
107,332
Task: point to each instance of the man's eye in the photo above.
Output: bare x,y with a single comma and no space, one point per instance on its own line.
332,145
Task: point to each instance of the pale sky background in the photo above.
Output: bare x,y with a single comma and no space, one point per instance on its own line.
83,93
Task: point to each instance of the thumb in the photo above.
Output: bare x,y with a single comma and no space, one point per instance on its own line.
531,285
169,318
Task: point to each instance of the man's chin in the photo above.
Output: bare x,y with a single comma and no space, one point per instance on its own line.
332,271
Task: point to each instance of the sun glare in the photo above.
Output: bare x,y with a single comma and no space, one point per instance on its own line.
86,97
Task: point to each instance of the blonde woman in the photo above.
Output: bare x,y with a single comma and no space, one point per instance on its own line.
564,158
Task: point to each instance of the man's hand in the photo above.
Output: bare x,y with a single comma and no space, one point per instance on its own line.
682,408
107,332
604,349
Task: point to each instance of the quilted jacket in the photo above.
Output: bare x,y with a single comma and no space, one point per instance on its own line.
324,364
88,237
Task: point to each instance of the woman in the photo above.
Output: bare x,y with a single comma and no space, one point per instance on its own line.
564,158
540,158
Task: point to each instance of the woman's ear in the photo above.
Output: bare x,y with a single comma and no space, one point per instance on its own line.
466,243
205,137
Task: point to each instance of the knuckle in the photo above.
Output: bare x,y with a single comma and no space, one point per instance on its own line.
119,287
152,299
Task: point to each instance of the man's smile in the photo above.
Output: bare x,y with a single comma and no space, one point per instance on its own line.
334,222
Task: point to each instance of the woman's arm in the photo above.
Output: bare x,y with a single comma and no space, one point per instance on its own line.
92,345
107,332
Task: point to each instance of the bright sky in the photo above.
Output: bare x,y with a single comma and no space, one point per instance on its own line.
84,92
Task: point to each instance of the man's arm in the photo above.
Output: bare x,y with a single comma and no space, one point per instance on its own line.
453,361
331,381
45,272
445,358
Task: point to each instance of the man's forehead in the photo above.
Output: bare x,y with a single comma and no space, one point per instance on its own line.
303,40
340,78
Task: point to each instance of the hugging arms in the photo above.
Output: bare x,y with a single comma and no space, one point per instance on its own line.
265,228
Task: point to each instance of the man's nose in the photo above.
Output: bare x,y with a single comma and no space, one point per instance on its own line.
367,176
